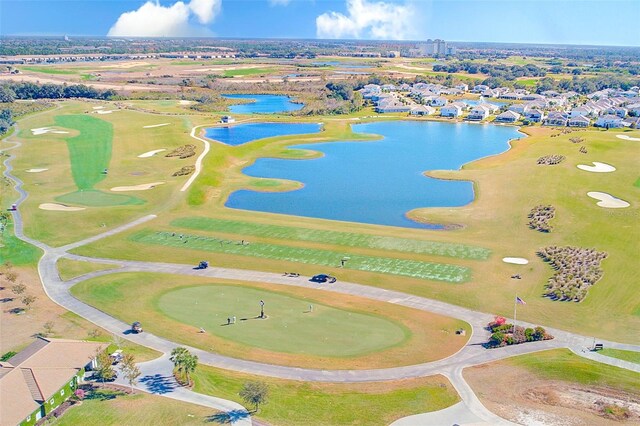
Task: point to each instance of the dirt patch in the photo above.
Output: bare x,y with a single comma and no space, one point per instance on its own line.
517,395
186,170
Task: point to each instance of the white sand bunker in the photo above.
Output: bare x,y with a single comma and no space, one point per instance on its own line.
43,130
36,170
608,200
104,111
151,153
183,102
142,187
155,125
98,107
627,138
597,167
59,207
515,260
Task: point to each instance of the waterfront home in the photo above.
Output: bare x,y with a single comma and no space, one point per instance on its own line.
556,119
519,108
507,117
609,121
534,115
422,110
453,109
479,112
391,105
440,101
579,121
227,119
36,380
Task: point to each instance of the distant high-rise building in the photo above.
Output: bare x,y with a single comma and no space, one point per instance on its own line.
434,48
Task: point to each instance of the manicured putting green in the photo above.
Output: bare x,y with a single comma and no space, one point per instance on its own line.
348,239
290,327
94,198
90,151
386,265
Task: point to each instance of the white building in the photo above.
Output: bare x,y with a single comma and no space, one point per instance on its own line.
508,117
479,112
453,109
609,121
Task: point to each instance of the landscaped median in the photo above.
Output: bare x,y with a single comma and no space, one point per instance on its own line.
302,327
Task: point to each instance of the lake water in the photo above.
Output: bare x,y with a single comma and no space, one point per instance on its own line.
379,181
264,104
243,133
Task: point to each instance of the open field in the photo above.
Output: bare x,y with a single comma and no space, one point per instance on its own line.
556,387
318,404
623,355
69,269
338,332
110,407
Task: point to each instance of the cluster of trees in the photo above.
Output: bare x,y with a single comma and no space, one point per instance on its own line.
505,334
507,72
6,120
184,363
127,366
551,160
18,289
539,218
26,90
576,269
585,85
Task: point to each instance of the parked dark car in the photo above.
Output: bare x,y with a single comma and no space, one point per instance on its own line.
203,265
323,278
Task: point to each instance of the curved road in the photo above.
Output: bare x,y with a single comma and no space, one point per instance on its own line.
471,354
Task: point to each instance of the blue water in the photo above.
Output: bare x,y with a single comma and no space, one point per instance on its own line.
378,182
474,102
243,133
264,104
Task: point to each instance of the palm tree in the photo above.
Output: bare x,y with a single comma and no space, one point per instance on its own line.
185,363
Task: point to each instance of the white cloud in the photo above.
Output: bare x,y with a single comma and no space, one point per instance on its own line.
369,19
154,20
279,2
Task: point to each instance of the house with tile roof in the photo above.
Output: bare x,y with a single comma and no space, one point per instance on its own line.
35,381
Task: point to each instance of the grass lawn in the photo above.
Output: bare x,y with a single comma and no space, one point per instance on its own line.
244,72
15,250
48,70
292,403
410,268
69,269
623,355
348,239
342,331
108,407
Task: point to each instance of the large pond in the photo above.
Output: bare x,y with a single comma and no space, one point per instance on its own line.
379,181
263,104
243,133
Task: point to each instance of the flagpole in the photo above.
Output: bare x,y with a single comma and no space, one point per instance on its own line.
515,307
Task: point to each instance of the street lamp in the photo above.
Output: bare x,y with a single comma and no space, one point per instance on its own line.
262,309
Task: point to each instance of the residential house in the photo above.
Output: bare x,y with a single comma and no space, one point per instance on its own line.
462,87
39,378
511,95
634,109
227,119
609,121
370,90
556,119
453,109
440,101
479,88
581,111
534,97
391,105
422,110
519,108
535,115
388,88
579,121
617,110
479,112
507,117
404,87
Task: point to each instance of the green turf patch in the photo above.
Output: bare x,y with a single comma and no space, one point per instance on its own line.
637,183
348,239
291,326
94,198
90,151
247,71
409,268
15,250
623,355
47,70
265,183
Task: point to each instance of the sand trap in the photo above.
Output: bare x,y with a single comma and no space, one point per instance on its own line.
35,170
608,200
598,167
183,102
59,207
43,130
142,187
627,138
515,260
151,153
98,107
155,125
102,111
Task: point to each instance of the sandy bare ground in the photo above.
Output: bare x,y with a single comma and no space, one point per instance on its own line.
517,395
183,102
141,187
597,167
608,200
627,138
515,260
151,126
44,130
36,170
59,207
98,85
103,111
151,153
126,65
409,67
98,107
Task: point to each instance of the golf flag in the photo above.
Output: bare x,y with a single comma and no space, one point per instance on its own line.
520,301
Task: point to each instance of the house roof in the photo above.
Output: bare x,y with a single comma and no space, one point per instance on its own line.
34,374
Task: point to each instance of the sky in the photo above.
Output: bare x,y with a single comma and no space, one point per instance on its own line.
594,22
